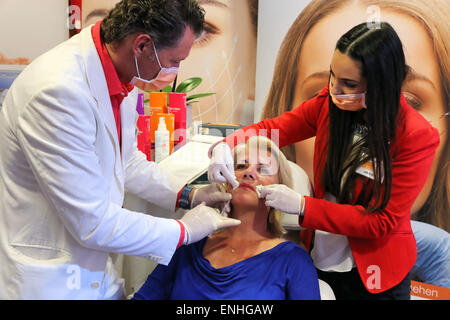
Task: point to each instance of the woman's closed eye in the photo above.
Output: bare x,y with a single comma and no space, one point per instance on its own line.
261,169
350,85
412,100
240,166
267,171
208,34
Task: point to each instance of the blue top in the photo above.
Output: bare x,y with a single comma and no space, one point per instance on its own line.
284,272
433,254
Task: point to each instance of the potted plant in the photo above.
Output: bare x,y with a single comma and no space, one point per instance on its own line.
187,86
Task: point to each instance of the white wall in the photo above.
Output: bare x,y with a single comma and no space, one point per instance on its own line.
29,28
274,20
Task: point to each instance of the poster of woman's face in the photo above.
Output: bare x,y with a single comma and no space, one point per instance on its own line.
422,26
224,56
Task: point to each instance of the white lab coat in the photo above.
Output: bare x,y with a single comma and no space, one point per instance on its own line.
63,180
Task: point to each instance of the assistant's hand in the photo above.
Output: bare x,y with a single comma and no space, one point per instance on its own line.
221,166
212,195
202,221
282,198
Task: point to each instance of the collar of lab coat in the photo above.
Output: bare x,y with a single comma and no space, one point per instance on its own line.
97,84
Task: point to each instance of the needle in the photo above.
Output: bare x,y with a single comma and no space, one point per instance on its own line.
222,188
224,212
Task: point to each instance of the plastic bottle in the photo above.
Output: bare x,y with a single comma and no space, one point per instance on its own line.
143,125
177,107
162,141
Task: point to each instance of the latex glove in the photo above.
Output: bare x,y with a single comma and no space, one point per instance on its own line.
282,198
221,166
212,195
202,221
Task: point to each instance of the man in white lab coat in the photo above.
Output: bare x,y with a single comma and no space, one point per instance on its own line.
68,151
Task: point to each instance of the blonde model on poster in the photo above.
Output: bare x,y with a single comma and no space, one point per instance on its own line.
224,56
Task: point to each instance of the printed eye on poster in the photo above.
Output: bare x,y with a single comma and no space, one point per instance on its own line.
224,56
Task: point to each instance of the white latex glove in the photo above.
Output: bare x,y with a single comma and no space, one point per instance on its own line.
282,198
212,195
202,221
221,166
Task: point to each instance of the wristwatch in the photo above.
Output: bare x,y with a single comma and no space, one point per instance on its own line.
183,202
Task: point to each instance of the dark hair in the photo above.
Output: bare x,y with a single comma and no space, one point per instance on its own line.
380,51
164,20
253,7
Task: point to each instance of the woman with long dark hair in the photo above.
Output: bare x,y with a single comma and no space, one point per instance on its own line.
372,156
379,55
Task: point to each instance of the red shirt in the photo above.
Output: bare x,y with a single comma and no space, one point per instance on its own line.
381,241
117,90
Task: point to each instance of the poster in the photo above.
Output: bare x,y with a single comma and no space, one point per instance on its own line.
26,31
224,56
236,57
300,69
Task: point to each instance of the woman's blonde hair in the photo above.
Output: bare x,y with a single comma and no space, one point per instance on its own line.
262,143
433,16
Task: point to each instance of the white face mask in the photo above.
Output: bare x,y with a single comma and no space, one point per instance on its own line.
164,78
349,102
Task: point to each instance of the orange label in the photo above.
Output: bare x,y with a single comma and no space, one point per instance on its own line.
158,102
429,291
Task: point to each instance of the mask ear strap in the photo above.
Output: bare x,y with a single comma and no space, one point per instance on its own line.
137,68
156,54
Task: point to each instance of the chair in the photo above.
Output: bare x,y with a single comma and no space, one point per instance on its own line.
302,185
326,293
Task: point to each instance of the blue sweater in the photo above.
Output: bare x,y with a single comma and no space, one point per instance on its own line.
284,272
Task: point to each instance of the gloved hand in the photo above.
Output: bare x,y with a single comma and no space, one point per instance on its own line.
282,198
202,221
212,195
221,166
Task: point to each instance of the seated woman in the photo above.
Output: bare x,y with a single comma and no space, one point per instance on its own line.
249,261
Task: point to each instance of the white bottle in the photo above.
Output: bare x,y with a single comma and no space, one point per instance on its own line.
162,141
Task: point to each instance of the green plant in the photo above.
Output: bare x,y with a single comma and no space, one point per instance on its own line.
187,86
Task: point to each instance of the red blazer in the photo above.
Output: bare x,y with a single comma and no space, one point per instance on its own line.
382,243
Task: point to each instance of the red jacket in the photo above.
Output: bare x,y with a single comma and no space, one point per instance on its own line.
382,243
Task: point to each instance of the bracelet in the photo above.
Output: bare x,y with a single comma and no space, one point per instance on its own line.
302,209
183,202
